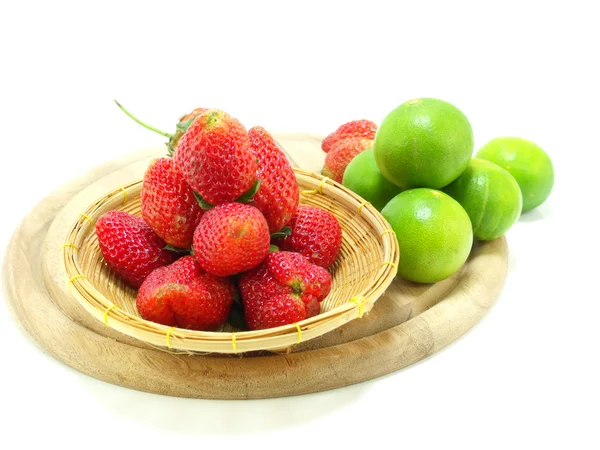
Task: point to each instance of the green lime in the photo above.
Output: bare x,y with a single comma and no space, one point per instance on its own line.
434,233
491,197
363,177
527,162
423,143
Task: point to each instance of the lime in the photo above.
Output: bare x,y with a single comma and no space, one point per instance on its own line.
491,197
363,177
434,233
423,143
528,163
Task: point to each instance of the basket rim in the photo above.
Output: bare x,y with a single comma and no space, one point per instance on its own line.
160,335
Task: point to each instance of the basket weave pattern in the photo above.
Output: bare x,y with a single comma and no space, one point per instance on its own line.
364,269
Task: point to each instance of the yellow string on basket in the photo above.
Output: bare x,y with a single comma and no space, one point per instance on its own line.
233,343
124,194
299,332
169,331
384,232
361,305
362,205
109,309
68,244
76,277
318,190
85,216
390,263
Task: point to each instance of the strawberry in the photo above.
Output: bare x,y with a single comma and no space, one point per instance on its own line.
168,203
130,247
257,286
184,123
296,271
183,295
313,307
283,274
316,234
277,197
340,155
189,117
215,158
279,310
231,238
357,128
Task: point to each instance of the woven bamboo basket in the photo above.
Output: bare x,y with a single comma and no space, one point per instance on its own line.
365,267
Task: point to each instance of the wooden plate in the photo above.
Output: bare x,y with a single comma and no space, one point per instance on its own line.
409,323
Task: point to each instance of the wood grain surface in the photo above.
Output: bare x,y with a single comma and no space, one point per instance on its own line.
410,322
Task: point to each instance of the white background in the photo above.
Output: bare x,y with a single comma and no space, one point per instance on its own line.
525,377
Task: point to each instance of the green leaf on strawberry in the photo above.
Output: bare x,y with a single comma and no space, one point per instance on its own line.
248,196
282,234
179,251
203,203
183,126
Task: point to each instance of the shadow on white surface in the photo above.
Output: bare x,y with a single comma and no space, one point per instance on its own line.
534,215
219,417
513,259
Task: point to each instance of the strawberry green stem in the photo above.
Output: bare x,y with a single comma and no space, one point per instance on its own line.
145,125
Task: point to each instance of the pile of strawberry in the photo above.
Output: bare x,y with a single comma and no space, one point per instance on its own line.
221,222
344,144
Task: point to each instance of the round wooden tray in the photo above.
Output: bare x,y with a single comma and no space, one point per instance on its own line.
410,322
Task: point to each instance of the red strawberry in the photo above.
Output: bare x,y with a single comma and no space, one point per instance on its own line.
231,238
295,270
168,203
184,123
283,274
313,307
282,309
183,295
277,198
215,158
316,234
257,286
130,247
340,155
357,128
192,115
